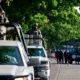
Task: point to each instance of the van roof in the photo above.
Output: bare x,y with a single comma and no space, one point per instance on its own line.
9,43
34,46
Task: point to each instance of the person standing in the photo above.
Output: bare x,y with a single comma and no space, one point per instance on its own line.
34,35
66,56
57,56
34,30
60,56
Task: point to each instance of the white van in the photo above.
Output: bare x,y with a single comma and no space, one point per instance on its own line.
40,61
14,62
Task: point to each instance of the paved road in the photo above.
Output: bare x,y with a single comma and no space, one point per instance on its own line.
64,71
54,70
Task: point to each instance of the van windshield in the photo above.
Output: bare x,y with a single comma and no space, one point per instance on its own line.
36,52
9,55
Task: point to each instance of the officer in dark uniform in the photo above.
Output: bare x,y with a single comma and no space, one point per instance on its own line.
57,55
66,56
60,56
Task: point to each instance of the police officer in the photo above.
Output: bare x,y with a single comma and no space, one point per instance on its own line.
57,56
35,34
66,56
60,56
3,17
34,30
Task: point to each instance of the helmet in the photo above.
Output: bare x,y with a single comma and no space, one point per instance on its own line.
34,26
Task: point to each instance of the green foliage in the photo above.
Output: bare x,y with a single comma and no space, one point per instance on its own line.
39,18
58,20
54,3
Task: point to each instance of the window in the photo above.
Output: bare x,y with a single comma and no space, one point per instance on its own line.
36,52
10,55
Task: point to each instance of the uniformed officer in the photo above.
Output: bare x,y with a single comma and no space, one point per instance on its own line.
34,35
66,56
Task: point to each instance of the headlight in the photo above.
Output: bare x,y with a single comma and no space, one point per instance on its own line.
44,62
25,78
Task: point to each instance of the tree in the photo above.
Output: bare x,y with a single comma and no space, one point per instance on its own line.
58,19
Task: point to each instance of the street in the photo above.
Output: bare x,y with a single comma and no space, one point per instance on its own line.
64,71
